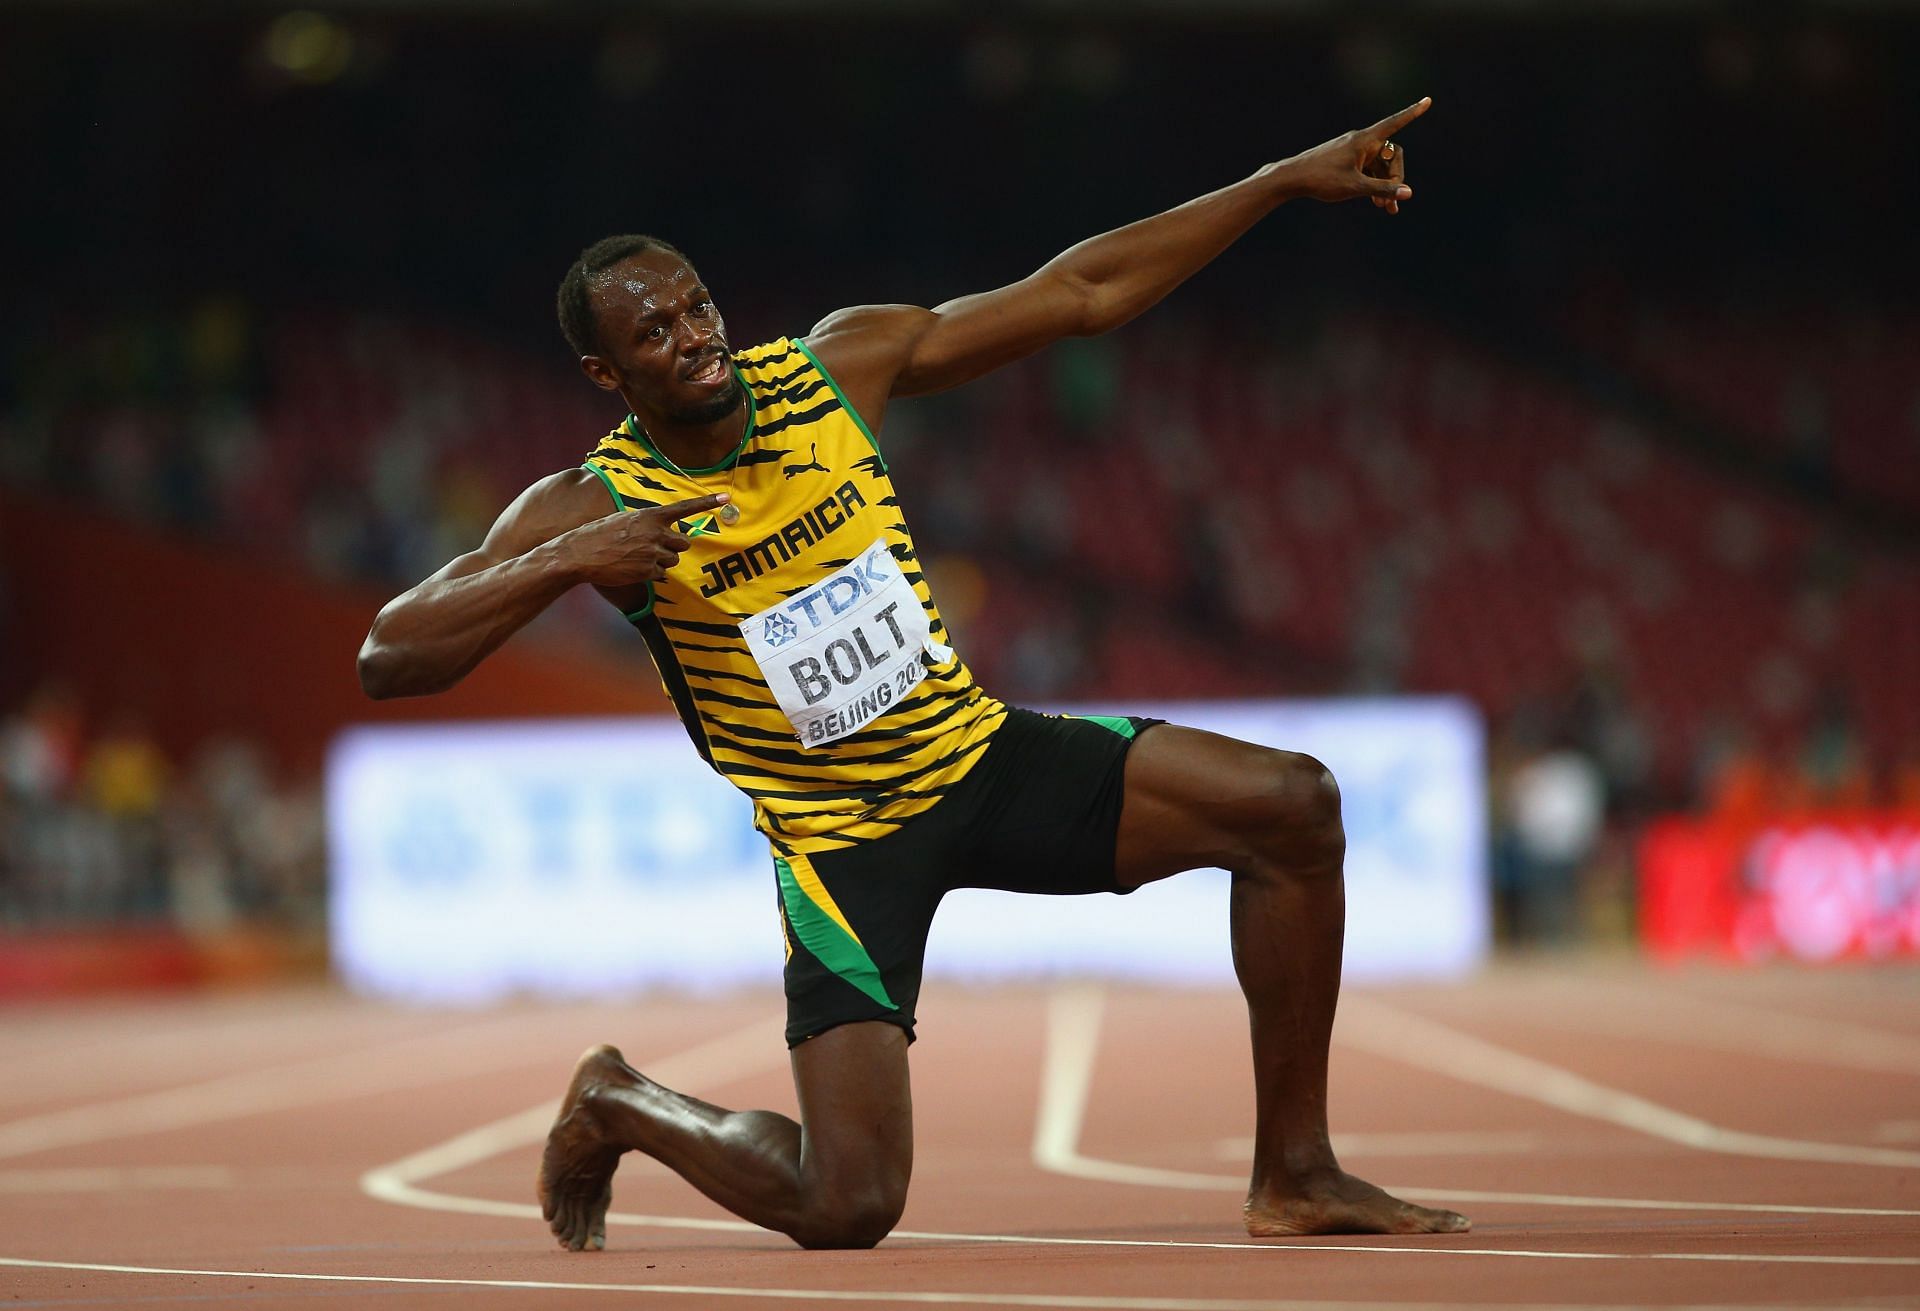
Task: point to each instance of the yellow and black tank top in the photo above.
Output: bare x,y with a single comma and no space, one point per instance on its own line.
814,497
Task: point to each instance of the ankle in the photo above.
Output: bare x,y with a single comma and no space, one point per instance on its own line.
1296,1176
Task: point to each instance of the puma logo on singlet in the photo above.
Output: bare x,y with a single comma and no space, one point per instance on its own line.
813,462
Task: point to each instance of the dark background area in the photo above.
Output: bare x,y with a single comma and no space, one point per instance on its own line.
454,162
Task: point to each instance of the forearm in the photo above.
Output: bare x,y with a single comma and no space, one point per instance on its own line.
1123,272
429,638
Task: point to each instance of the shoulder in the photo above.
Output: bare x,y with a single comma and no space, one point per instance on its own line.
867,327
557,504
563,501
866,347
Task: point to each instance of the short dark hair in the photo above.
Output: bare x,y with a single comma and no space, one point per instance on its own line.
575,303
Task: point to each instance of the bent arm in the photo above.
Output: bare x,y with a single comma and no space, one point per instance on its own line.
431,636
880,351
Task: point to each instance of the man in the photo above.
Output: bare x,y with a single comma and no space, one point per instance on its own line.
755,541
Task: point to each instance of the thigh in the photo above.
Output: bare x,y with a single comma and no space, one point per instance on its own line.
1193,800
856,922
1045,817
856,1111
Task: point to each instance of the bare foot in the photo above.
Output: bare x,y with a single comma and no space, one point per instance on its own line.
1338,1203
576,1170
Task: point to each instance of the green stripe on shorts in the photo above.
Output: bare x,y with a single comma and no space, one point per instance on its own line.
831,945
1115,723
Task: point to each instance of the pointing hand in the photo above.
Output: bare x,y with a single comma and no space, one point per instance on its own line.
1363,163
634,546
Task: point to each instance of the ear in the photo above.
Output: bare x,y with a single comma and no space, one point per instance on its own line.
598,373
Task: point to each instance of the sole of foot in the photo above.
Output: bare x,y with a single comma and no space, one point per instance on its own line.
576,1169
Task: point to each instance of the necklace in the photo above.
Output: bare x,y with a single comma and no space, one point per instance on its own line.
728,514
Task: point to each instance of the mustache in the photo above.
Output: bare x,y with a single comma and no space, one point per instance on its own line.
703,359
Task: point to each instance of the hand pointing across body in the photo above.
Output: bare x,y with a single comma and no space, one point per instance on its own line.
634,546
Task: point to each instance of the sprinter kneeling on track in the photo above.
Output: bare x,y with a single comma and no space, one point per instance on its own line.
756,542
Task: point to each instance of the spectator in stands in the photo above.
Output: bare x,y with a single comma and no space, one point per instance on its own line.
1556,805
124,782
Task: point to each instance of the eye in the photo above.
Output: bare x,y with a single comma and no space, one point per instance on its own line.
704,308
656,332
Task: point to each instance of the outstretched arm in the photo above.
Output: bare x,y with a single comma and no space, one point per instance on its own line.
550,540
878,351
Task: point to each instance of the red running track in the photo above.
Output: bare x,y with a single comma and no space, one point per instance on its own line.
1620,1136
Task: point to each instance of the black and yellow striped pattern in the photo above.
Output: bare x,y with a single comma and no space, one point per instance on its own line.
813,492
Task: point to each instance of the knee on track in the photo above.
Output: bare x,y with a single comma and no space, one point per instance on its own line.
858,1222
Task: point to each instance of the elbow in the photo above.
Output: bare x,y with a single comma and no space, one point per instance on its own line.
376,671
385,672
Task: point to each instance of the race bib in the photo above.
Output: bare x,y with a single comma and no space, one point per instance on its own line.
842,653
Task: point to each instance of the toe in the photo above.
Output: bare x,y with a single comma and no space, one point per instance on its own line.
1426,1220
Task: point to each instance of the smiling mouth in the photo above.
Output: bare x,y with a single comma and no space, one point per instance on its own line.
709,371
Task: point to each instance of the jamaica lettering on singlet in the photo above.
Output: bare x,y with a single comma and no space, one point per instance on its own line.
800,644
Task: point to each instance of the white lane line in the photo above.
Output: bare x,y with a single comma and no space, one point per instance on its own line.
418,1061
1383,1030
1748,1030
114,1179
745,1051
1440,1143
1066,1082
843,1296
917,1298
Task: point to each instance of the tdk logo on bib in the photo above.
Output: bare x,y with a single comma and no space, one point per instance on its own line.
845,589
839,655
779,630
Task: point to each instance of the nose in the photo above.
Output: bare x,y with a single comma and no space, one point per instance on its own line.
691,337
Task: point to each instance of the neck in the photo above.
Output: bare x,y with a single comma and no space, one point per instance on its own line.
695,445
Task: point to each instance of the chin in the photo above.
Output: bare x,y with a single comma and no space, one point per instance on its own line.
730,399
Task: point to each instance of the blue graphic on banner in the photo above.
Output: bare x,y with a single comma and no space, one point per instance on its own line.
588,856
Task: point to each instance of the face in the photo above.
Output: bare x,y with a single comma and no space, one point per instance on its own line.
662,343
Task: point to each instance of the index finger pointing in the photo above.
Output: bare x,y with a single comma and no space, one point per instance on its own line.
685,509
1387,126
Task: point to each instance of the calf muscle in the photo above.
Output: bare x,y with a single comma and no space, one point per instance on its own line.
1272,819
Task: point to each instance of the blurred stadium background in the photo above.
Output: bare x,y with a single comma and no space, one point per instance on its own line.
1612,434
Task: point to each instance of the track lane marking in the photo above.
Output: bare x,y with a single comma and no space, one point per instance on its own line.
743,1052
1066,1081
1750,1030
1383,1030
412,1062
1465,1142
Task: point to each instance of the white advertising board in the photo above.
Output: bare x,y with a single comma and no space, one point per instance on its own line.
582,857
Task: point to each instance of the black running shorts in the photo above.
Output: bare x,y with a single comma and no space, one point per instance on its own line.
1039,812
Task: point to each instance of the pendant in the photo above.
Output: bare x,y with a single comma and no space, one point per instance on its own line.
729,513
